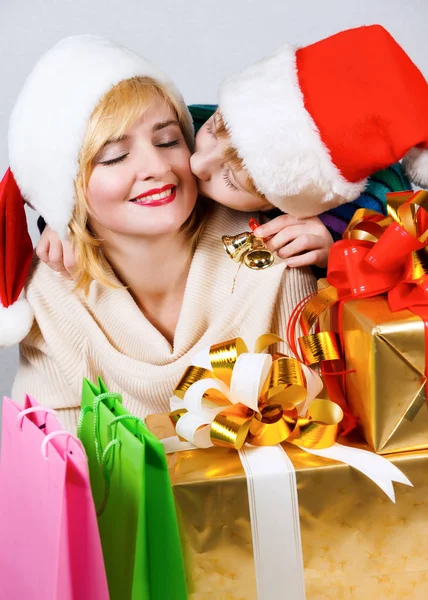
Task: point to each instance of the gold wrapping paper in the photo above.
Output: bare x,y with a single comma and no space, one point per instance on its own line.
356,543
387,391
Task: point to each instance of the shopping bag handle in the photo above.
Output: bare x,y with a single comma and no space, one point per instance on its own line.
33,409
113,441
95,409
50,436
103,454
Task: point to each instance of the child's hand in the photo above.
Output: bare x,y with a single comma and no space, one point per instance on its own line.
302,242
59,255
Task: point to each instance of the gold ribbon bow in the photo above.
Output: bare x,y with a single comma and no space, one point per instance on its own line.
252,397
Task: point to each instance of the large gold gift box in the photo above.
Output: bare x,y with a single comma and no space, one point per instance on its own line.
356,543
386,389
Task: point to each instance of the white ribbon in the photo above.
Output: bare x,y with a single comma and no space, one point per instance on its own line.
275,523
381,471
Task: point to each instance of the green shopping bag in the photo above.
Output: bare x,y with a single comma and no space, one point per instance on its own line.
134,499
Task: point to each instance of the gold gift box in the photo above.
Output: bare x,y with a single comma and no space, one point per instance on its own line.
387,390
356,543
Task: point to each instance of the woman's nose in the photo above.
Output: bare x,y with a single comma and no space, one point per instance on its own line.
152,165
203,164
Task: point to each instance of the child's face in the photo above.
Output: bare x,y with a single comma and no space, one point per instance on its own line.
216,179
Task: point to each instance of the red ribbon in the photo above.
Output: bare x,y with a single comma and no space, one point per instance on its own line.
362,269
253,223
332,371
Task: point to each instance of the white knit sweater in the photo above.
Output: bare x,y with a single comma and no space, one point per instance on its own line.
106,334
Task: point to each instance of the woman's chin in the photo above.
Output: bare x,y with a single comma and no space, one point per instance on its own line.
161,223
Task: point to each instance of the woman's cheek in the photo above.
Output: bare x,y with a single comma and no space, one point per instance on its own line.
182,167
104,188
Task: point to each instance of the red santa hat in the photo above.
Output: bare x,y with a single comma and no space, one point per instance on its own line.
311,124
46,131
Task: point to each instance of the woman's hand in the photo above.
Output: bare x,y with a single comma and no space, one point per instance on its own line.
302,242
59,255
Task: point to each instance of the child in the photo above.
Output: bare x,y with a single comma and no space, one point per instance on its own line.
304,129
335,220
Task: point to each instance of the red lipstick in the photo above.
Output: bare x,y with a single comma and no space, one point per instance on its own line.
165,188
146,198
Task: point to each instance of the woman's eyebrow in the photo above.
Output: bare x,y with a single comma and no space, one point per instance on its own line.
116,140
163,124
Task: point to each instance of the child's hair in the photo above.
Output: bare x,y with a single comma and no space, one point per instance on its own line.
231,155
117,111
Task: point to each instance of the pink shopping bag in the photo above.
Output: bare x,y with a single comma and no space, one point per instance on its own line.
49,541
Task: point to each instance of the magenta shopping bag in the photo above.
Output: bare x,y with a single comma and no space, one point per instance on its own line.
49,542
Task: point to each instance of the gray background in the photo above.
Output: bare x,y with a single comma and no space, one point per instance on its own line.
196,42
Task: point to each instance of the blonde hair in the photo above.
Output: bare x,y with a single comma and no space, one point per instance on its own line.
117,111
232,157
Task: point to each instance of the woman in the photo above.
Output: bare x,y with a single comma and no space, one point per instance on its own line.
153,285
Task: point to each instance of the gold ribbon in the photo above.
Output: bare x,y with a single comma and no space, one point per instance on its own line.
252,398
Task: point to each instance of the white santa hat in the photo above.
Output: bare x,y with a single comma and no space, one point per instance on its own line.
46,131
311,124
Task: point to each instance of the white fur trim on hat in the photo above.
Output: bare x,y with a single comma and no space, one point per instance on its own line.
278,141
50,117
415,164
15,322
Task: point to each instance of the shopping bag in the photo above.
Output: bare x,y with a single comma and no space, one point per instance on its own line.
134,499
49,541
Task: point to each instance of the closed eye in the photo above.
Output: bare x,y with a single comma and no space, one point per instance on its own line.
169,144
113,161
228,182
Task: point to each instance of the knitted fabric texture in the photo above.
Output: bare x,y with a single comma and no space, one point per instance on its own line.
106,334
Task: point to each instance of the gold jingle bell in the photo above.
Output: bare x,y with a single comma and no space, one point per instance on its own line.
259,257
250,248
238,245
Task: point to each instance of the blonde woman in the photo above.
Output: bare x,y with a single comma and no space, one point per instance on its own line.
106,157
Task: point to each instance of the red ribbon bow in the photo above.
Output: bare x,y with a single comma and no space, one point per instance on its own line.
385,254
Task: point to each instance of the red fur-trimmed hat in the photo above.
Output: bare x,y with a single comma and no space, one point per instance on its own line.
311,124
